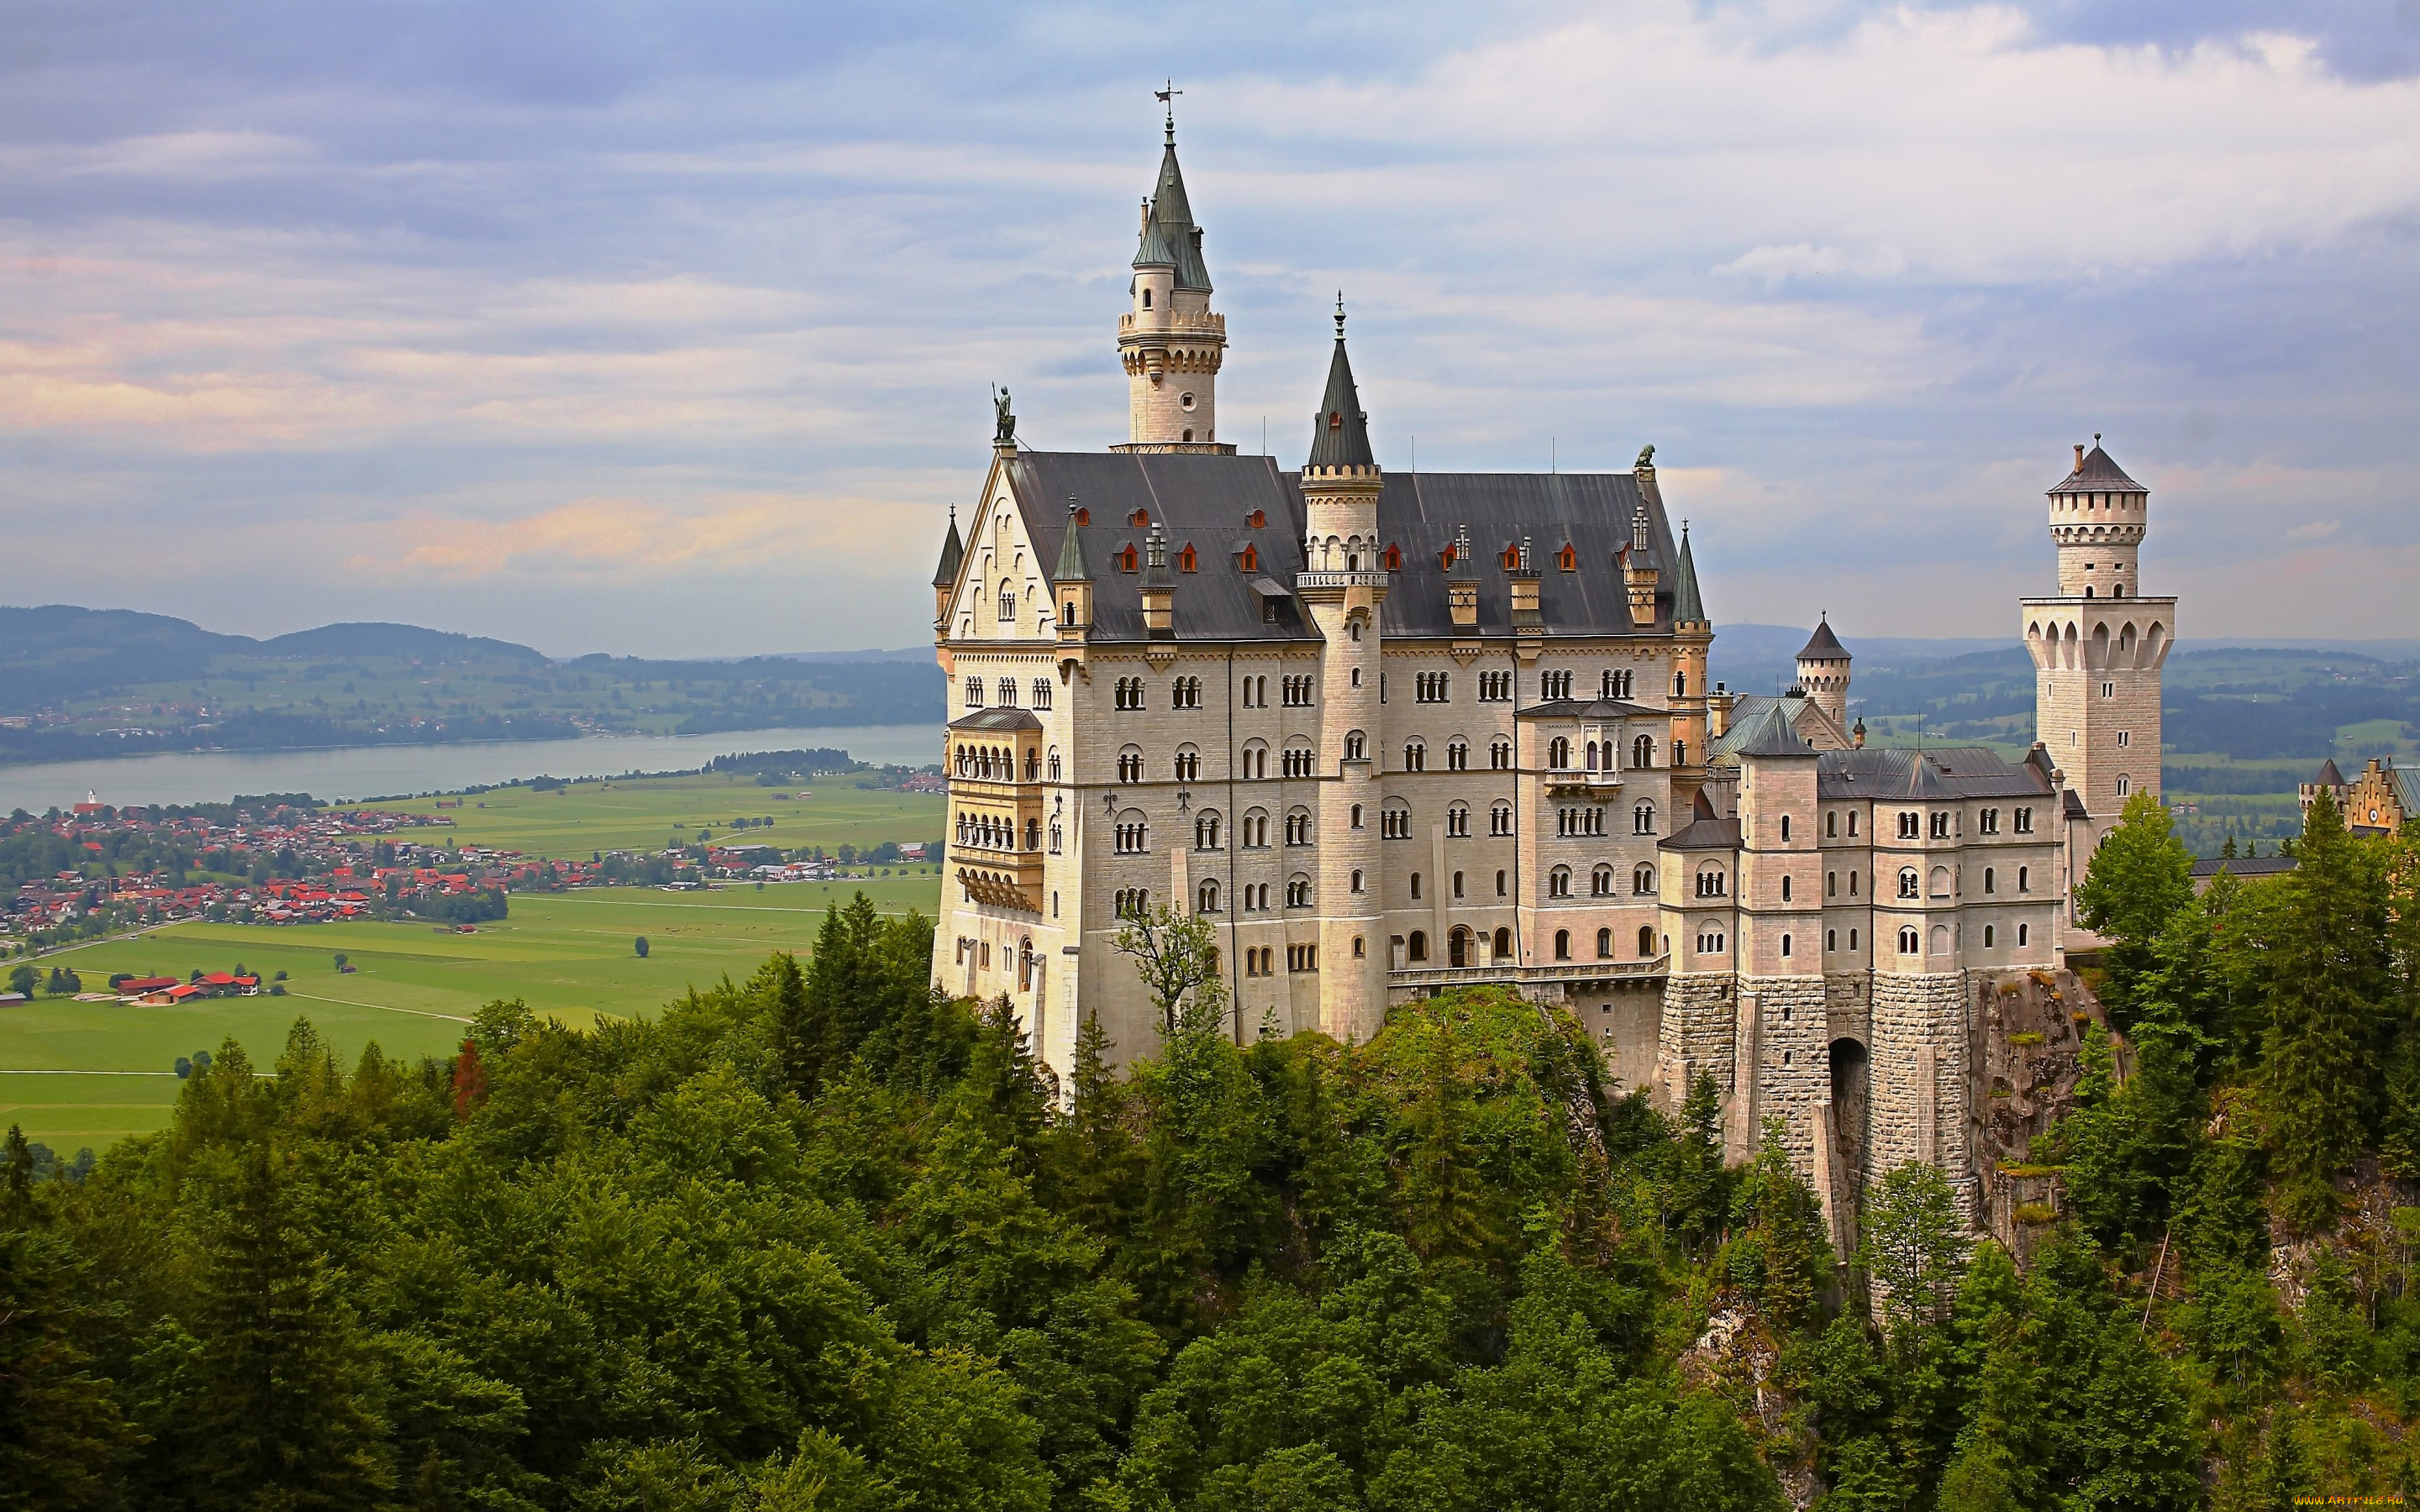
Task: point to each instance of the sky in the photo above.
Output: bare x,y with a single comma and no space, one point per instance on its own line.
669,329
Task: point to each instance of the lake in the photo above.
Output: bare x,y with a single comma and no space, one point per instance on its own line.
385,771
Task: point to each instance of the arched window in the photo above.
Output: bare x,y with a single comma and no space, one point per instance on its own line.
1785,889
1416,756
1499,755
1604,945
1562,945
2024,879
1130,764
1907,940
1008,607
1188,764
1457,948
1642,880
1357,879
1785,945
1298,892
2125,784
1910,885
1989,933
1990,880
1601,883
1033,834
1642,819
1457,821
1297,827
1208,897
1054,764
974,692
1559,753
1711,882
1355,747
1499,819
1503,944
1457,756
1042,692
1646,942
1642,752
1417,947
1558,881
2023,929
1784,828
1205,830
1590,756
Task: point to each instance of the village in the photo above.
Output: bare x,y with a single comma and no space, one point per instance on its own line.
98,870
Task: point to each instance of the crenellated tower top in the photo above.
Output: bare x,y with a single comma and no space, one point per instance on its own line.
2098,518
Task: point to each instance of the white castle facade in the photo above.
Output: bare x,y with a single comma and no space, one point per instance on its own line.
1394,732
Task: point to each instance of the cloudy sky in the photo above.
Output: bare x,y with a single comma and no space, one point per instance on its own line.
668,329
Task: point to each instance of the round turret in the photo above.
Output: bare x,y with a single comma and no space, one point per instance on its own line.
2098,518
1823,672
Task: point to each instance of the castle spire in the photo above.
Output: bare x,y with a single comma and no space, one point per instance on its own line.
1170,342
1687,608
1340,436
945,576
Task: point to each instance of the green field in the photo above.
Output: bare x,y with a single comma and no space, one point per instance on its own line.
412,990
650,813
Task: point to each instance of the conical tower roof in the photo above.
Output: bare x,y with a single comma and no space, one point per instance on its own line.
1823,645
1072,567
2096,472
1170,237
1687,605
1340,434
954,552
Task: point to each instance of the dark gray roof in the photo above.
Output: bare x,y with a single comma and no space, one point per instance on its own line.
2097,473
2245,866
953,552
1204,501
1703,834
2329,776
1340,434
995,721
1823,645
1773,734
2406,782
1940,775
2071,805
1687,605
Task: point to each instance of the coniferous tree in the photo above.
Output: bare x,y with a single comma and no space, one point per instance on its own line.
2326,976
2139,879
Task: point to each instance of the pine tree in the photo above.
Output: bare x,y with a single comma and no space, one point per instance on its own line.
803,1041
2139,878
2327,974
280,1404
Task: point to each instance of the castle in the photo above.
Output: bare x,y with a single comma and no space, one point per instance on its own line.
1392,732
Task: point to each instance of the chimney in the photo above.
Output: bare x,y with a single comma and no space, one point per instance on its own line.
1461,583
1638,569
1525,589
1158,589
1718,713
2079,456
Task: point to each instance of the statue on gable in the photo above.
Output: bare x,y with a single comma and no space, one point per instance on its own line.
1005,431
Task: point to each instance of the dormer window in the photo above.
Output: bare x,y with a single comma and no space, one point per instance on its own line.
1394,559
1257,519
1568,558
1248,559
1127,560
1139,518
1512,558
1186,561
1336,420
1083,517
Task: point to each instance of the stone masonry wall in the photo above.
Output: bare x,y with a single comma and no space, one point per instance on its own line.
1793,1073
1696,1034
1918,1105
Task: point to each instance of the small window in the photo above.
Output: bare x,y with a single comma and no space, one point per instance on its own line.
1785,945
1785,832
2023,929
1562,945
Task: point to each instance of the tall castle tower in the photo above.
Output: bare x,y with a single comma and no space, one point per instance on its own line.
1342,585
1170,342
1824,665
2097,646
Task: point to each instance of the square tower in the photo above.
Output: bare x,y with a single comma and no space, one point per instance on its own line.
2098,645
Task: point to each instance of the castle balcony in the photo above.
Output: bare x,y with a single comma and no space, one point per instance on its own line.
1578,782
1000,879
1328,586
1567,972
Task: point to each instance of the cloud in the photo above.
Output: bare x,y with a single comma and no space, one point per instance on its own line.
621,537
516,318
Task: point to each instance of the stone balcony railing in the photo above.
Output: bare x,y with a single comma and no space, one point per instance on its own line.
1340,579
1545,971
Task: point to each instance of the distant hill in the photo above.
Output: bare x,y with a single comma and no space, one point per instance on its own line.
78,683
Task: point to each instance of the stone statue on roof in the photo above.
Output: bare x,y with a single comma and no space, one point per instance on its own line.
1646,455
1006,430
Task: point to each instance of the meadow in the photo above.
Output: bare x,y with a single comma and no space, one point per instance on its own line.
581,819
88,1073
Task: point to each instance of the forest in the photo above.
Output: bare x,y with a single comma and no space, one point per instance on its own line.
828,1239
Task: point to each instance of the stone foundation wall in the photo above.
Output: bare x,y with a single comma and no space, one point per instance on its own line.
1848,1006
1919,1097
1794,1069
1695,1034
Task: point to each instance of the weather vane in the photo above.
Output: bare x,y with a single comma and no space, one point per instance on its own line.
1167,95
